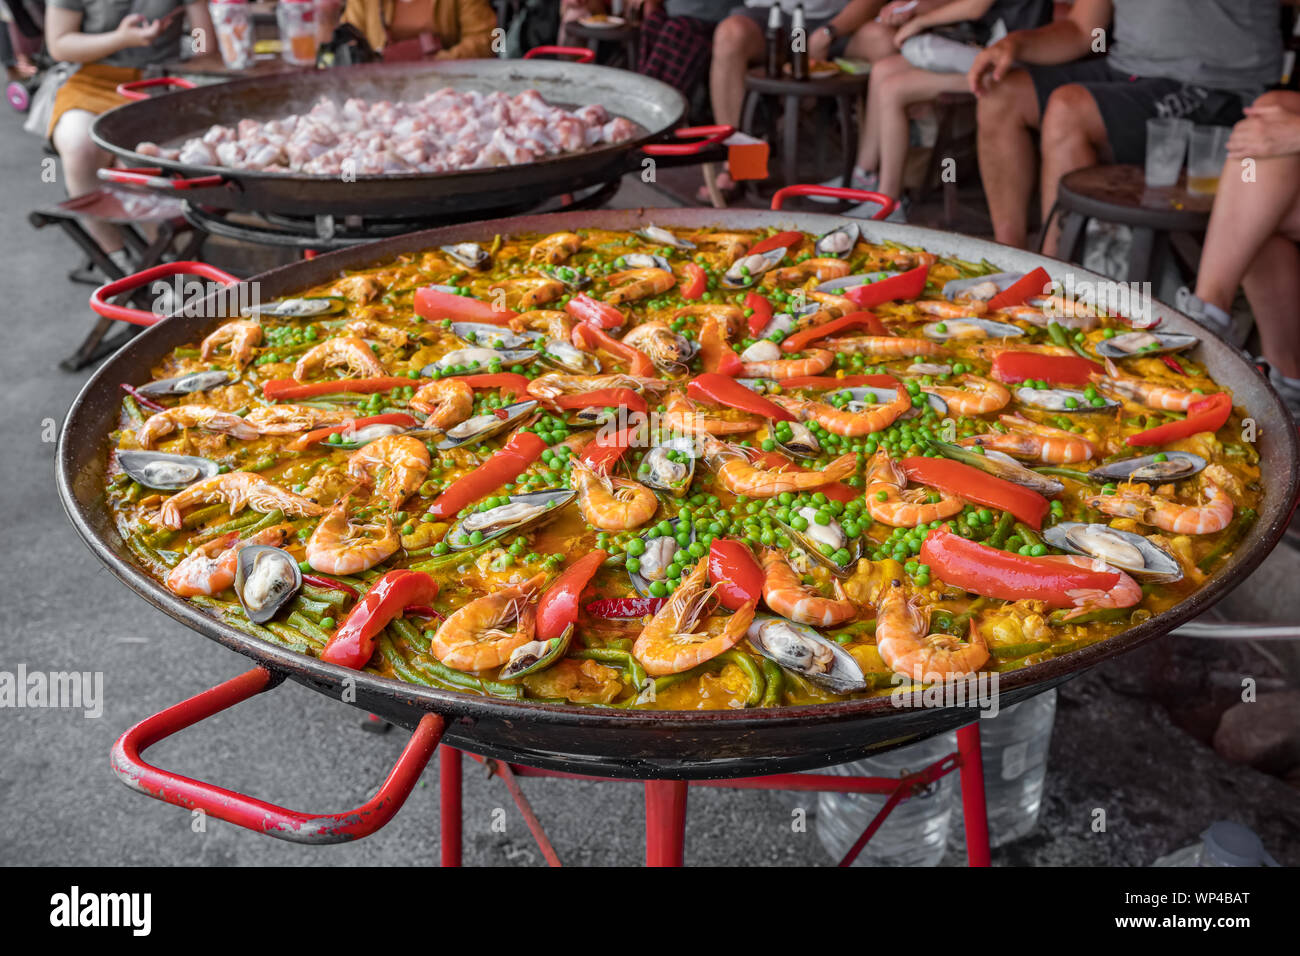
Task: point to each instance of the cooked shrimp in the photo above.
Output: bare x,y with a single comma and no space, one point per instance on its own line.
345,351
951,310
396,464
814,362
370,329
854,419
904,645
238,489
556,247
978,396
669,644
887,346
338,546
556,325
786,594
289,419
210,568
740,476
243,336
1029,439
821,269
632,284
1124,593
669,351
890,504
359,289
536,290
1080,321
731,244
832,304
684,416
554,384
611,504
1150,394
193,416
447,402
904,258
1133,501
472,639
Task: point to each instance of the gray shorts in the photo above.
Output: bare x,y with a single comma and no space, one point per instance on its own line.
939,54
759,16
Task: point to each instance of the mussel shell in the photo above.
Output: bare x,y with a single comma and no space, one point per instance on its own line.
185,384
970,328
662,237
648,476
853,546
263,599
163,472
645,260
538,507
300,307
469,254
796,647
782,322
1153,562
640,583
802,444
1003,280
479,428
536,656
560,354
1001,466
573,279
838,243
1179,465
481,356
356,438
837,286
488,336
936,369
757,264
1055,400
1131,344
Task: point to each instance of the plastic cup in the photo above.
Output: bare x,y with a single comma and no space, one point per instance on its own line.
1166,146
297,22
1207,151
234,30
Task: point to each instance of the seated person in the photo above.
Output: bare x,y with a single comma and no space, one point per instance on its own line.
1252,239
112,47
1197,59
442,29
677,38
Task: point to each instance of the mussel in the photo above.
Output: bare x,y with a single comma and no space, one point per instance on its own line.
520,513
356,437
801,649
658,555
469,254
1064,400
1129,552
479,428
801,443
748,269
837,286
936,369
782,322
575,280
1000,465
827,544
266,579
1162,467
980,288
662,237
763,350
476,359
163,472
536,656
670,466
838,243
300,307
1139,343
489,336
644,260
185,384
563,355
971,328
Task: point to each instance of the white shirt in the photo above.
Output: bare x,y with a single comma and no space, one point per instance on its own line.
812,9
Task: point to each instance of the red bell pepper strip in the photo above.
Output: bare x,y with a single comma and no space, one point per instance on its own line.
602,452
760,312
971,484
600,314
736,574
320,434
1172,363
354,642
1208,414
716,353
1000,574
1012,367
587,336
696,282
505,466
328,584
143,401
437,305
558,607
904,286
604,397
722,390
422,610
824,382
285,389
622,608
788,240
837,491
508,382
853,320
1026,287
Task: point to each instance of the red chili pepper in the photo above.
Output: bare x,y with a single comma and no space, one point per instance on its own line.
320,434
354,642
329,585
600,314
621,608
604,450
505,466
788,240
1172,362
628,398
1208,414
696,282
508,382
716,354
823,382
1012,367
588,336
558,607
760,314
722,390
1026,287
854,320
437,305
737,575
904,286
971,484
143,400
837,491
994,573
284,389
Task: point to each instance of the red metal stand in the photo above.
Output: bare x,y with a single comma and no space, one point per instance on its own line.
665,801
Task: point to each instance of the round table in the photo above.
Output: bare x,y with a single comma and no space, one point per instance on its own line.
628,34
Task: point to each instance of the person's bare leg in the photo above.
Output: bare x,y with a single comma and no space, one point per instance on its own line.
1008,115
872,41
81,160
869,144
1073,137
899,91
736,42
1272,286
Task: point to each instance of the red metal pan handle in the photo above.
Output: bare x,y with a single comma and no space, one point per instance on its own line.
887,203
132,90
99,298
155,178
710,135
579,53
248,812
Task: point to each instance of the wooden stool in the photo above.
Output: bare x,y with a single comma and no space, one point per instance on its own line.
628,34
948,109
845,88
1163,218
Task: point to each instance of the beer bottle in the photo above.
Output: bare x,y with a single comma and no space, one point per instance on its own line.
775,36
798,45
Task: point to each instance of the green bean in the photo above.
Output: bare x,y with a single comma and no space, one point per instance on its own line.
757,685
269,520
263,463
1099,615
1057,334
326,596
606,655
235,524
292,634
186,353
310,607
1011,651
1244,519
1028,534
410,634
404,670
1003,529
1066,473
774,683
233,615
494,688
137,544
961,619
313,631
1081,351
133,410
201,515
161,538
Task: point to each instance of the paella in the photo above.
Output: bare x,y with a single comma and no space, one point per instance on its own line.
682,469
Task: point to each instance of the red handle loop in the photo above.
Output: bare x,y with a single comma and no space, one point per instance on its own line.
99,298
155,178
248,812
131,90
710,134
887,203
579,53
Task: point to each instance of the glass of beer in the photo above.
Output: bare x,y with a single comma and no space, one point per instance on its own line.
297,22
1207,151
1166,147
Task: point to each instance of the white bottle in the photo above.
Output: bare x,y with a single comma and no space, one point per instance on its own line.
1224,843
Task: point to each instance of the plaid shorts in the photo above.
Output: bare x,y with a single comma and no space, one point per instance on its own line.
675,50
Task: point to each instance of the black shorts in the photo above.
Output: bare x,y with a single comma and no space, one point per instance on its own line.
759,16
1127,102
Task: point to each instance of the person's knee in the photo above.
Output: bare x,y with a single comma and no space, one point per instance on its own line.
1000,107
731,37
1283,99
1071,116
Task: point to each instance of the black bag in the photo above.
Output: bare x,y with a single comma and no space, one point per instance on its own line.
347,47
530,23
